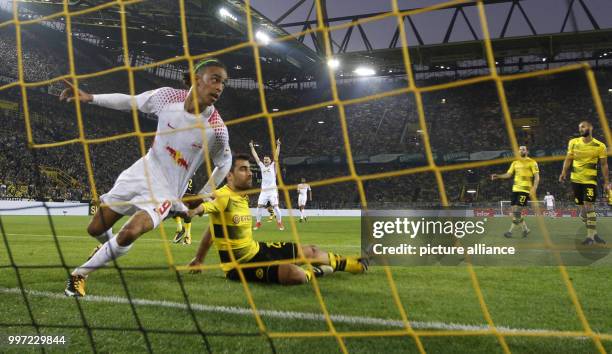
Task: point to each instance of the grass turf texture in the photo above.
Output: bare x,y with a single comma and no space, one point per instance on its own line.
517,297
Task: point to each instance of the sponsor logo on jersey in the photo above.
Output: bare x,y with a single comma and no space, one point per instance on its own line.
237,219
177,156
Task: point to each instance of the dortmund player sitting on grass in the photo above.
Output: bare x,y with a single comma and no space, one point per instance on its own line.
231,205
583,155
526,179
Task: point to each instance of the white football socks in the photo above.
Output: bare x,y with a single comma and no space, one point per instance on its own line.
278,214
105,236
109,251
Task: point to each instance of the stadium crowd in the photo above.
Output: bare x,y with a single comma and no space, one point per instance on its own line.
379,127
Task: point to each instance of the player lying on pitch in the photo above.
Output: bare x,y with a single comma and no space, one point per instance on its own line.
232,203
163,173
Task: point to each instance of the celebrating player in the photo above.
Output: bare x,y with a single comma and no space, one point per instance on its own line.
231,207
549,201
303,189
526,179
269,192
583,155
154,184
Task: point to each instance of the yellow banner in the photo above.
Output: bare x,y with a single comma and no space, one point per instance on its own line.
8,105
525,122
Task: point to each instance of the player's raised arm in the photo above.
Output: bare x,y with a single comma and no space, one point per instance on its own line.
254,153
277,152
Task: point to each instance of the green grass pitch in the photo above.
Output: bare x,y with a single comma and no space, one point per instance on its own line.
434,298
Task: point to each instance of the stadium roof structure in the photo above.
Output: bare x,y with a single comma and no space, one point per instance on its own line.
445,53
590,45
154,28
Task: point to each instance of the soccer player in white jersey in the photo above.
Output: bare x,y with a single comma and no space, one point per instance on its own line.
304,192
549,200
269,191
154,184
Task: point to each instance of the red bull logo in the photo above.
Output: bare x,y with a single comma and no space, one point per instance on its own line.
177,156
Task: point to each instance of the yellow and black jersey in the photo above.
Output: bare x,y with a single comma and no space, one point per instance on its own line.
585,159
523,169
237,216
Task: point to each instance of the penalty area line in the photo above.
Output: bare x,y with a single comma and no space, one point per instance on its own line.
287,315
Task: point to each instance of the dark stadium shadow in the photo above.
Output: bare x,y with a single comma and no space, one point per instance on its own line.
588,254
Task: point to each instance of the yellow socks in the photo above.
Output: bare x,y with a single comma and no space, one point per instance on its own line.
345,264
591,224
179,223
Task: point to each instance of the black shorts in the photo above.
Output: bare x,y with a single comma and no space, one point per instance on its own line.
584,193
520,198
268,251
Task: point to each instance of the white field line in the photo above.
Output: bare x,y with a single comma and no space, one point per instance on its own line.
287,315
145,239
